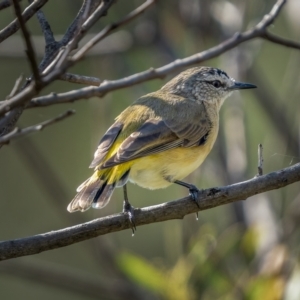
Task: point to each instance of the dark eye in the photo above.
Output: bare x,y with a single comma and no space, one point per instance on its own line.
216,83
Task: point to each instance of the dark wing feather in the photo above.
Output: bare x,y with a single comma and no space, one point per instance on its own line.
105,143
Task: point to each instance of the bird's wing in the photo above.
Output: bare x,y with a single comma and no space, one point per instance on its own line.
106,142
156,136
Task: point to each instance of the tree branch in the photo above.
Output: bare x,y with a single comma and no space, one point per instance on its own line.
26,15
281,41
75,78
108,29
16,133
177,209
6,3
107,86
30,50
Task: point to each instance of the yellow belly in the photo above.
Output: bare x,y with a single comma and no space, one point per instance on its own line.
160,170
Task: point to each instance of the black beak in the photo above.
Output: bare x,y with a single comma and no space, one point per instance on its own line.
242,86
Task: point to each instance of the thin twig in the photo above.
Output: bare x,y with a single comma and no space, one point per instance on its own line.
260,160
16,133
269,18
30,50
177,209
46,29
27,14
75,78
16,88
281,41
108,29
6,3
266,99
86,24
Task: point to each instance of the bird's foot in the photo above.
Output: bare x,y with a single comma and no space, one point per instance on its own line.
129,210
194,192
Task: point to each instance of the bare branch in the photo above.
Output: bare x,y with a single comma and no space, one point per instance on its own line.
26,15
75,78
177,209
30,50
281,41
16,133
108,86
6,3
269,18
16,88
260,160
63,63
46,28
108,29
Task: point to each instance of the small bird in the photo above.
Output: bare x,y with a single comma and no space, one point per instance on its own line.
159,139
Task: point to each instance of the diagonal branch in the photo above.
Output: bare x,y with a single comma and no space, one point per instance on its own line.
177,209
75,78
108,29
28,13
280,41
16,133
30,50
6,4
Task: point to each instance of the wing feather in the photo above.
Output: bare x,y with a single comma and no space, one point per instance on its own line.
105,143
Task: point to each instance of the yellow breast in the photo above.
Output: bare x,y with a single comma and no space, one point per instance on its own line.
160,170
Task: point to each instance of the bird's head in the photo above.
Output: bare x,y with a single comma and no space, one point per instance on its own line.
205,84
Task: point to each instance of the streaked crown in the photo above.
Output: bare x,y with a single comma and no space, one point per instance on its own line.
204,84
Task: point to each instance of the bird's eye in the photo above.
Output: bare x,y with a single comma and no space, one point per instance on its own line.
216,83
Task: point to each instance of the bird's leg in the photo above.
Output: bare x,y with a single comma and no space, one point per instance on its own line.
194,191
128,209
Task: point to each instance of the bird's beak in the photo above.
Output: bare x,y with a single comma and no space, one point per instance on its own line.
241,86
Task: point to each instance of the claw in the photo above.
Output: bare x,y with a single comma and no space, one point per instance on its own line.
129,210
194,192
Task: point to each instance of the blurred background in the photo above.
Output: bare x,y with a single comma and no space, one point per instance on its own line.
246,250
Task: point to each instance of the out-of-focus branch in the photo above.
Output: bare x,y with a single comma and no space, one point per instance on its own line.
16,133
16,88
281,41
15,106
30,50
6,3
64,62
267,99
26,15
260,160
107,30
75,78
177,209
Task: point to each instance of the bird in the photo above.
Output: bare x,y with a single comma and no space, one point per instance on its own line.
159,139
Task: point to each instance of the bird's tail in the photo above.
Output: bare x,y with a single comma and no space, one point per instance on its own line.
97,190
